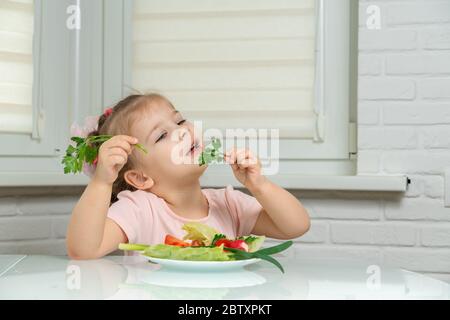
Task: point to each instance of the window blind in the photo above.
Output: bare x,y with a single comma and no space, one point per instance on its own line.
232,64
16,65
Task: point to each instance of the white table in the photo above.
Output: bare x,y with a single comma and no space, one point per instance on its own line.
118,277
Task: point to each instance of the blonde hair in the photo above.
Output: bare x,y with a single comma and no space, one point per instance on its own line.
119,122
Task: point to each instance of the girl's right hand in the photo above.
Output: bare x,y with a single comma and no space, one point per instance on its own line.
112,156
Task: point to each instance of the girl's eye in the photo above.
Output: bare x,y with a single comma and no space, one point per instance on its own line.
161,136
165,133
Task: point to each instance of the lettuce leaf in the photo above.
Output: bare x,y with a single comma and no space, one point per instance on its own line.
200,232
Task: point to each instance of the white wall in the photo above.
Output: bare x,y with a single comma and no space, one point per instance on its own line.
404,117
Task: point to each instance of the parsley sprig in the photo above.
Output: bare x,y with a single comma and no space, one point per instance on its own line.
85,151
211,153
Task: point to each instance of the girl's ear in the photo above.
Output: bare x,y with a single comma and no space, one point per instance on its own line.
138,180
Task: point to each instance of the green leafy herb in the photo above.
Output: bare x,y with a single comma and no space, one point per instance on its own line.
262,254
85,151
211,153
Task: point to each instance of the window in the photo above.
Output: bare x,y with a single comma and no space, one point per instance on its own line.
202,56
16,66
38,57
232,64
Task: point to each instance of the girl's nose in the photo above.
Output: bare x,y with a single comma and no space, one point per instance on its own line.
182,132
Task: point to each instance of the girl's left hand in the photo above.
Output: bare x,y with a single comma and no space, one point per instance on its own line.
246,167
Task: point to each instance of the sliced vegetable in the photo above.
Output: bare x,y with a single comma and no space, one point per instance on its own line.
236,244
132,246
239,244
173,241
197,243
164,251
222,242
217,237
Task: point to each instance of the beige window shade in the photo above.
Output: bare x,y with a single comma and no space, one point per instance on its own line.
232,64
16,65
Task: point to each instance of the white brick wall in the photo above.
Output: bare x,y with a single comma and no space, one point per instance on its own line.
416,113
404,118
375,88
434,89
426,64
373,233
36,220
435,39
417,13
407,85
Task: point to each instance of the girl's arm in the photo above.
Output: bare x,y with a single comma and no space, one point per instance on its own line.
90,233
283,216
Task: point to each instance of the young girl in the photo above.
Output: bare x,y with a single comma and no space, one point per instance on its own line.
153,196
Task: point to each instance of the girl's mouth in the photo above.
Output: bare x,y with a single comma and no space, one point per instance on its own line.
194,149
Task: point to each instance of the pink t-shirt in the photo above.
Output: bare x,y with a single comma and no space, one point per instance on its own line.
147,219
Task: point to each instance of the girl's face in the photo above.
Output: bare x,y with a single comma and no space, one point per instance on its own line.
173,146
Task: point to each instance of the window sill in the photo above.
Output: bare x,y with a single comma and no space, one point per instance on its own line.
30,179
396,183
